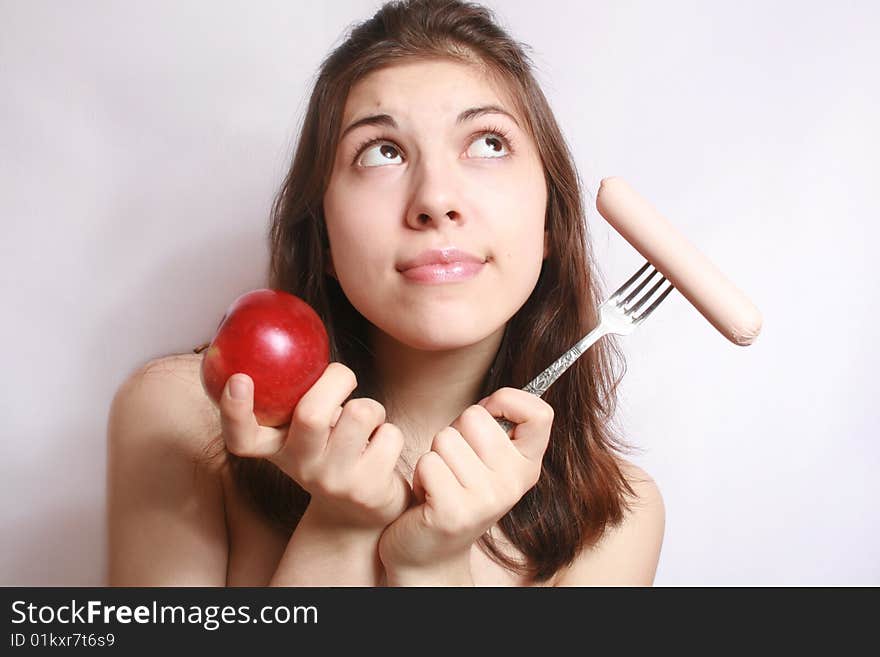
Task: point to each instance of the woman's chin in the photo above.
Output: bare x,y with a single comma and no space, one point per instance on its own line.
445,336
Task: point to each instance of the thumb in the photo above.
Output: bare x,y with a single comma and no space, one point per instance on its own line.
241,432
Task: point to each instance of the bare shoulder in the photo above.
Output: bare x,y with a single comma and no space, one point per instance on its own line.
167,393
627,554
166,522
647,491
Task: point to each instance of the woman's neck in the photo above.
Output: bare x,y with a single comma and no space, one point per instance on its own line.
425,391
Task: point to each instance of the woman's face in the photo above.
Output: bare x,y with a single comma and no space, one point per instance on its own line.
436,177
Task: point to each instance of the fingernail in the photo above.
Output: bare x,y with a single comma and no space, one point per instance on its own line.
238,388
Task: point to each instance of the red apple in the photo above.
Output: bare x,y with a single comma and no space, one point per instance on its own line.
275,338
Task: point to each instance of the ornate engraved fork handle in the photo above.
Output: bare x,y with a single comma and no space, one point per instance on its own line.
538,386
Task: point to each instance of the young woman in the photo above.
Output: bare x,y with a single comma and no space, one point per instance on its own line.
433,218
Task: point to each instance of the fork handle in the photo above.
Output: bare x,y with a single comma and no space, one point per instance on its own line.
538,386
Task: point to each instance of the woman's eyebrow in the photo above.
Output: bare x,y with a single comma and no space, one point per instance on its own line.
466,115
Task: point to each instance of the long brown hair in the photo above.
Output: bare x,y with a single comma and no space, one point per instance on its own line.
582,489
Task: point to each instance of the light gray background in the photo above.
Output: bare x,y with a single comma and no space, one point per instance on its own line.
142,144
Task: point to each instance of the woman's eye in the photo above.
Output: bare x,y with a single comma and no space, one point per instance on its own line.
379,154
489,145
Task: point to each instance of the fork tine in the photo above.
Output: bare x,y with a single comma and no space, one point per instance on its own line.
634,278
645,297
644,315
638,289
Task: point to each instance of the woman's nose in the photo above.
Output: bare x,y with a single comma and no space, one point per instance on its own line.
425,219
435,196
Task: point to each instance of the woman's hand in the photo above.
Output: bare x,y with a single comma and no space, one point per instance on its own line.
345,457
473,475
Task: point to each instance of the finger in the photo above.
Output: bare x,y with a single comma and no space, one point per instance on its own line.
380,461
532,416
459,456
319,409
418,489
336,413
485,437
243,435
384,448
349,438
435,481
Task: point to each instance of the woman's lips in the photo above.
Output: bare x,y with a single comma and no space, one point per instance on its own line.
437,273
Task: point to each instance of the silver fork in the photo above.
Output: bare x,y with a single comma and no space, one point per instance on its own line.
616,315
